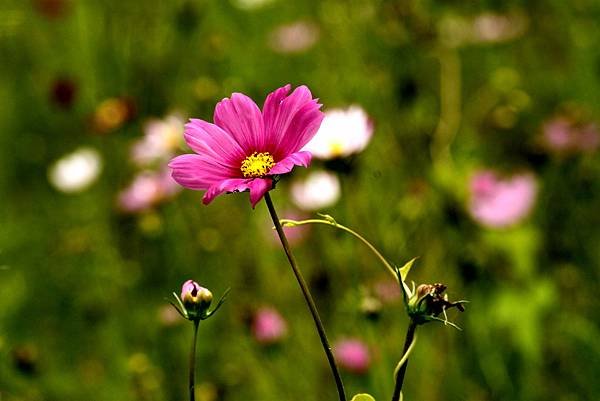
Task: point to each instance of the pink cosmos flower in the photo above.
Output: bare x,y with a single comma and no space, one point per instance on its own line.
268,326
353,355
245,147
499,202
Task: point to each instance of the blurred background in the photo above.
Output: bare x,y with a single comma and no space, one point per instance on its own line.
465,133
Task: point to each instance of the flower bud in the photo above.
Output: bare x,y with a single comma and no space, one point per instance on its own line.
194,302
196,299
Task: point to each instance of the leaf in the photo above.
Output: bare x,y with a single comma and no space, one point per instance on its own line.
362,397
406,268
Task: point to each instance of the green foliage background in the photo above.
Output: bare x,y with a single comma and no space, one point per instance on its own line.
82,285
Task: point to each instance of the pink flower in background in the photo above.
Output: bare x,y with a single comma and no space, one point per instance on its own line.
353,355
245,147
343,132
268,326
147,189
557,134
497,202
561,134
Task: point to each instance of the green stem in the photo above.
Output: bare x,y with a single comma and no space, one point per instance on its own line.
348,230
308,298
403,364
192,376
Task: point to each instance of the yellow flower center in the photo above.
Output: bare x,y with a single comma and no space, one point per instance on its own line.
336,148
257,164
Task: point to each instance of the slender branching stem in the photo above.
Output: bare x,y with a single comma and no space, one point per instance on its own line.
192,376
348,230
403,364
308,298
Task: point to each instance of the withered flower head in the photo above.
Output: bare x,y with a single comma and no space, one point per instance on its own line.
429,301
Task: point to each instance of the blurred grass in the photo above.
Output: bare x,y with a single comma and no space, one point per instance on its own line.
82,285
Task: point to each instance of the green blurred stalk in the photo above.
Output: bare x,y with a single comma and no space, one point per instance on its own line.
308,298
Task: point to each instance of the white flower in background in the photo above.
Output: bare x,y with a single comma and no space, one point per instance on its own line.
161,139
497,28
251,4
343,132
318,190
295,37
76,171
482,28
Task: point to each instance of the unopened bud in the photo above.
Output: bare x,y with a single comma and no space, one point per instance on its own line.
195,299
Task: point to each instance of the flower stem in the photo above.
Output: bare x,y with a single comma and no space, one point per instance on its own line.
308,298
192,376
401,369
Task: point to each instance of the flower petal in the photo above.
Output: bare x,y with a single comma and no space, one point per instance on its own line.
302,128
228,185
242,118
208,139
198,172
302,158
286,118
258,188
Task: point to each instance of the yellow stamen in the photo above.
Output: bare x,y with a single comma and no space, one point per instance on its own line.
257,164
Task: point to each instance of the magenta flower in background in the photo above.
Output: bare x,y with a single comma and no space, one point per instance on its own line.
245,147
268,326
353,355
497,202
